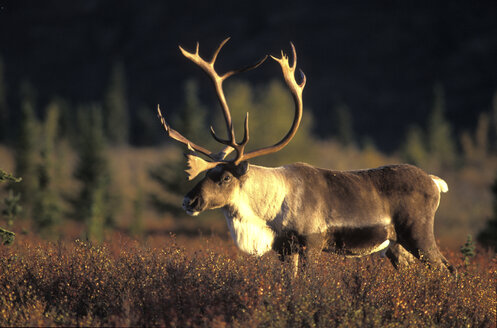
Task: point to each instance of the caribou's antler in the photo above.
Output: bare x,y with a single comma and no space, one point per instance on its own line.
197,165
296,89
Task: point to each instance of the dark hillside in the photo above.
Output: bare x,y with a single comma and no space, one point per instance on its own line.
380,58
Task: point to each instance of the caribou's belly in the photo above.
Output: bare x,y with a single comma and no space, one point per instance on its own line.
358,241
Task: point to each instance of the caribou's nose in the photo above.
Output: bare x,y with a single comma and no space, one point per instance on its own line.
186,203
190,205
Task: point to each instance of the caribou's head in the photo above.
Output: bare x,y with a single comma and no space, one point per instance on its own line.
224,177
216,189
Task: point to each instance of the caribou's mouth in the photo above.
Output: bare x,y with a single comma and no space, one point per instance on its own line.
192,213
192,207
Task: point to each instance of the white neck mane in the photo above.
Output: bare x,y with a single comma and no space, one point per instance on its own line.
256,210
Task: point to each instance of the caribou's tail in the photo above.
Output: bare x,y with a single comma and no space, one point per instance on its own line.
441,184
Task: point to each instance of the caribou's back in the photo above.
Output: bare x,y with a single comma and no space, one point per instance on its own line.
358,198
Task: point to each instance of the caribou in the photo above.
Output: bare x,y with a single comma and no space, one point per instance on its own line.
302,210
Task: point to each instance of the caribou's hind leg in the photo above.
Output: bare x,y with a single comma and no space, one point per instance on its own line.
419,241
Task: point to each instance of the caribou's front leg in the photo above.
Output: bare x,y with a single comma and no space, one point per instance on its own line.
399,256
291,260
294,261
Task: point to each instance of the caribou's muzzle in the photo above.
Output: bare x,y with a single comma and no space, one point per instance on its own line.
193,206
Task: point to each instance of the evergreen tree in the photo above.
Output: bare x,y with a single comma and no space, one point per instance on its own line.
468,250
441,143
342,124
116,121
414,150
11,210
4,110
47,204
26,155
94,203
488,236
190,119
475,148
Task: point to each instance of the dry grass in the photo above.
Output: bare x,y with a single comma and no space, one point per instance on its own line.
207,282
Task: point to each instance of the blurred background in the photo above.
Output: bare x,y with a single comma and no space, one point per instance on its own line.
387,82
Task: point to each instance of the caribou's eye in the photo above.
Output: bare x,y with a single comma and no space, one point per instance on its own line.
227,178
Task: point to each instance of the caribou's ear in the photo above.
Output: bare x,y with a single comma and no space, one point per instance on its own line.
241,168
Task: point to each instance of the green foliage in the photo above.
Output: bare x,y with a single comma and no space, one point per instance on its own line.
468,250
4,176
35,162
94,203
414,150
440,139
77,284
7,237
436,147
47,210
488,235
476,148
190,118
343,125
12,208
26,155
116,120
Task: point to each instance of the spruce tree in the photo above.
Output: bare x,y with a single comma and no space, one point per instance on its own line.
441,143
26,154
488,236
190,118
468,250
116,121
343,125
414,150
11,208
93,205
47,204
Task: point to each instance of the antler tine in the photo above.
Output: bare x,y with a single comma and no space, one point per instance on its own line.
232,144
208,68
214,56
178,137
245,69
296,90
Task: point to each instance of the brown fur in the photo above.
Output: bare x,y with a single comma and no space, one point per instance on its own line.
310,209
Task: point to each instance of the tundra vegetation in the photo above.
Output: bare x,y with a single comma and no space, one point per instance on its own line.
209,283
93,241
